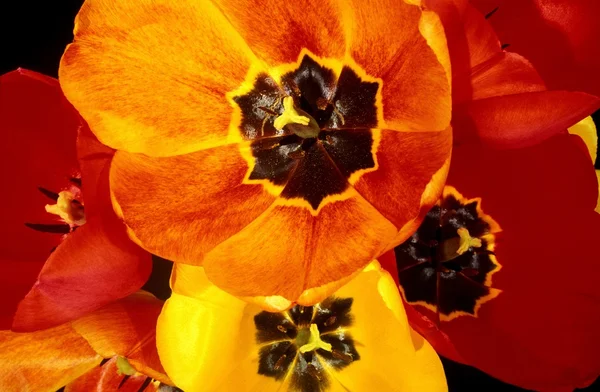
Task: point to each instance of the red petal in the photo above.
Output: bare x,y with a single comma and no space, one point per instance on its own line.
540,332
16,279
95,265
521,120
513,184
560,38
39,129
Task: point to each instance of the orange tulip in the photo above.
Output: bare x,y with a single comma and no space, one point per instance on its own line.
281,148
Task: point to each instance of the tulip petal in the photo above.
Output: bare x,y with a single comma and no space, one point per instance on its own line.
169,206
38,150
28,361
392,356
513,183
152,76
203,333
279,29
545,209
126,328
108,378
95,265
520,120
557,36
410,58
407,166
325,248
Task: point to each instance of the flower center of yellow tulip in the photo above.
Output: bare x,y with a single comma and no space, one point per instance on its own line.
447,265
308,341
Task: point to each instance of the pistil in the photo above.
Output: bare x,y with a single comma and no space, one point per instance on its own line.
466,241
69,209
297,120
314,341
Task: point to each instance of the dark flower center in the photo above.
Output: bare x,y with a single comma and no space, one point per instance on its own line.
447,264
310,159
305,340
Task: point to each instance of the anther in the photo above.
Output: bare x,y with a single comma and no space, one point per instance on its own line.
341,355
282,328
312,370
330,321
279,362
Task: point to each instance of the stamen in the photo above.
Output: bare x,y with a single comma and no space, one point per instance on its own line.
466,241
314,341
330,321
282,328
124,367
290,115
312,370
69,209
342,355
279,362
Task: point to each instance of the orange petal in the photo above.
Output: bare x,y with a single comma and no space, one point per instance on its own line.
408,56
277,30
181,207
288,249
407,163
151,77
126,328
108,378
43,360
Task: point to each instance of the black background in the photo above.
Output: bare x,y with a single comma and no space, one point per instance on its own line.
34,35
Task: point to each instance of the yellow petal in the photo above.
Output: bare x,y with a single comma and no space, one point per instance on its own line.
392,356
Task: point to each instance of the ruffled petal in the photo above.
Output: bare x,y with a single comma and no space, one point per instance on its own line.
279,30
43,360
126,328
152,76
179,214
410,58
520,120
410,166
96,264
557,36
392,356
325,248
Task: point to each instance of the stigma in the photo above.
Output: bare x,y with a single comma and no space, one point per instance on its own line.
302,124
68,209
466,241
314,341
